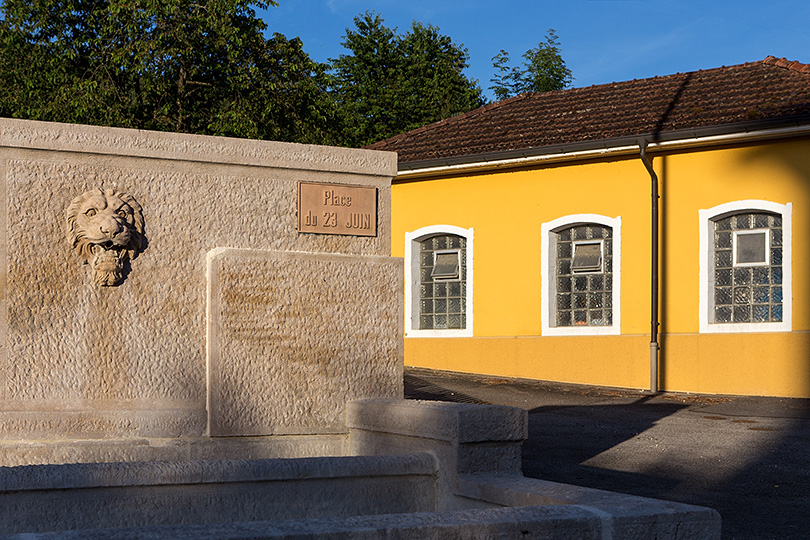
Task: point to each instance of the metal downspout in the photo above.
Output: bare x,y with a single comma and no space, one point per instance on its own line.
654,346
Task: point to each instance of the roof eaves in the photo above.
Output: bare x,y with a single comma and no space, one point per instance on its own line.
751,127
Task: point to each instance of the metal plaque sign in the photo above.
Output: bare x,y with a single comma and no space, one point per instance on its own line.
337,209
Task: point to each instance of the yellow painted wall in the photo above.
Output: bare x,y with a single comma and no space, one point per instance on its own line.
506,210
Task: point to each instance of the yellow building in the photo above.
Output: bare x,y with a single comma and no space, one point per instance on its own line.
651,234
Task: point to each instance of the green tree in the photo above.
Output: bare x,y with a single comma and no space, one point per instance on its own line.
543,70
433,84
363,82
195,66
545,67
389,83
507,80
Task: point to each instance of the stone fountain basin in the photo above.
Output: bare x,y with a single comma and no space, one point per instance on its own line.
460,479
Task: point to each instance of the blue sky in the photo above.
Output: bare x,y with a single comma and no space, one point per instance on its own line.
601,40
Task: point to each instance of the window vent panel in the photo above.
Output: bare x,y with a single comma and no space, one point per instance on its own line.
587,257
751,248
446,265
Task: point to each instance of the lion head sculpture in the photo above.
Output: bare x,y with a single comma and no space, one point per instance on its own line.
105,228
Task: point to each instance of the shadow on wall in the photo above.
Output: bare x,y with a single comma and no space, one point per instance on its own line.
791,185
662,236
798,164
663,288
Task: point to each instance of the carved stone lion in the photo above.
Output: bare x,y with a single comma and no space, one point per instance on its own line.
105,228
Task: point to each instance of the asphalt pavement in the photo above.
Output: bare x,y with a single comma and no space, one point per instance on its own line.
746,457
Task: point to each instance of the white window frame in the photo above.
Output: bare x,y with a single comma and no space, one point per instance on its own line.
548,275
412,254
706,294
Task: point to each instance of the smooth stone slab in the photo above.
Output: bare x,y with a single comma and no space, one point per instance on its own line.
293,336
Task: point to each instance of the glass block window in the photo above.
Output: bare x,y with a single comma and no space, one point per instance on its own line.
442,282
747,266
584,276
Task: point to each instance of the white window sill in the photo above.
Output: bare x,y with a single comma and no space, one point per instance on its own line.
744,328
438,333
582,331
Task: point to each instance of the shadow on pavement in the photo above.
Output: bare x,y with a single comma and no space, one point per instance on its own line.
748,458
563,440
755,472
421,388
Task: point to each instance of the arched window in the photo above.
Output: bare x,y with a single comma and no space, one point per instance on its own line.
580,275
745,267
438,282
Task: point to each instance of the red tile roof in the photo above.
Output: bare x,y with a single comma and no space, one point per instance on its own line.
773,91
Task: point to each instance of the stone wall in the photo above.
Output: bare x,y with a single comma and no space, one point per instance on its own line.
221,302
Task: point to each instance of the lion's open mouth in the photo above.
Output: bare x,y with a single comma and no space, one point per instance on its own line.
107,245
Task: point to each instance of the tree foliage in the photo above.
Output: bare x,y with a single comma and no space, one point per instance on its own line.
507,80
389,83
207,67
194,66
543,69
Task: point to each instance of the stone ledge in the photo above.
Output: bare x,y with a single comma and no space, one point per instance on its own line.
40,452
549,523
153,473
624,516
451,422
98,424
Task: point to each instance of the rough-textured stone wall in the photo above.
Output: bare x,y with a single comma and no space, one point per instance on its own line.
82,360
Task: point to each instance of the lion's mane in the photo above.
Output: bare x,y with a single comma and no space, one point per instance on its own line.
97,253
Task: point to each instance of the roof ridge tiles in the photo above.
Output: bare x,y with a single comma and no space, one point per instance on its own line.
488,107
455,118
783,62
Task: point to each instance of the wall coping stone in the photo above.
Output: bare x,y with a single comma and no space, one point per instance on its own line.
452,422
52,136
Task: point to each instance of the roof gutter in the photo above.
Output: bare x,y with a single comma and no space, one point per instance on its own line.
625,146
